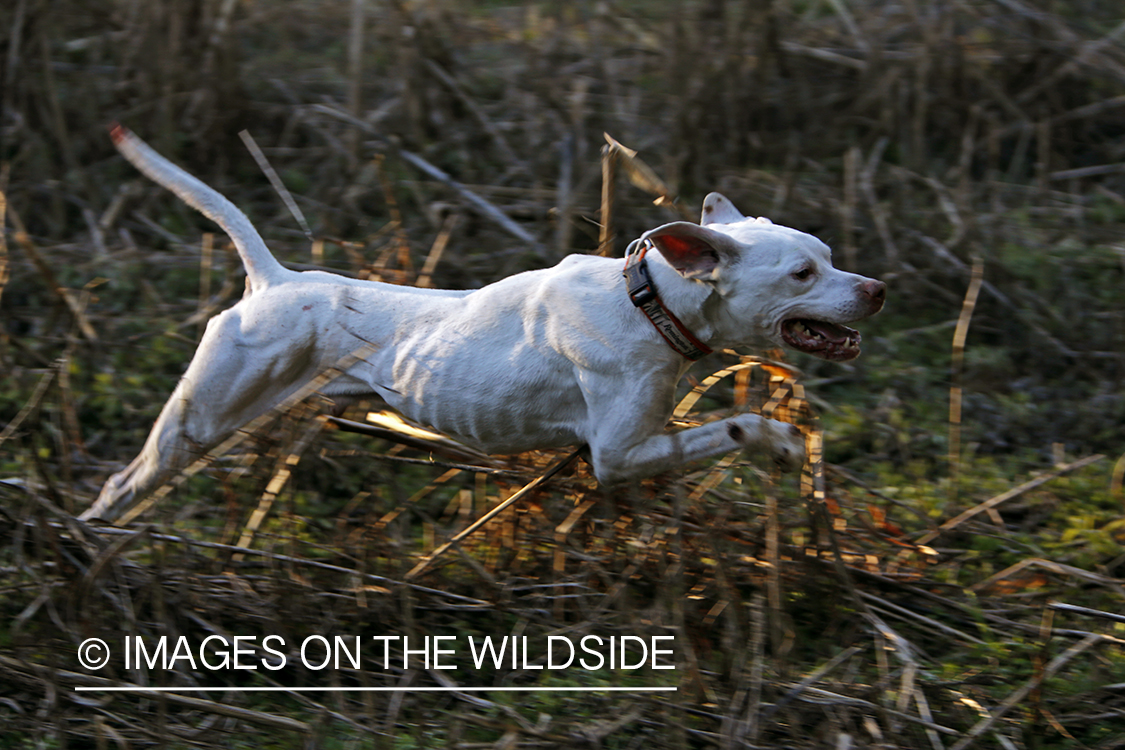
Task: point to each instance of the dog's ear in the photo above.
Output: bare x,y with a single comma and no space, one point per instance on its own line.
692,250
717,209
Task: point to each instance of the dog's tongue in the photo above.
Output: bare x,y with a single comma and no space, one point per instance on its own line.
822,339
835,334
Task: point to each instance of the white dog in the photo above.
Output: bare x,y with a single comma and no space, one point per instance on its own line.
556,357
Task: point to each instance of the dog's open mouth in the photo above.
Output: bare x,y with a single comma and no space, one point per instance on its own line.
821,339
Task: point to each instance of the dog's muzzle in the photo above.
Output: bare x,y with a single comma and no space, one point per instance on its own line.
833,341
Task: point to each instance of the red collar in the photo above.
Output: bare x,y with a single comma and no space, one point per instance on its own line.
642,291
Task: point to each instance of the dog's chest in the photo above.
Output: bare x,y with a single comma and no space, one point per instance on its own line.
497,379
508,367
498,404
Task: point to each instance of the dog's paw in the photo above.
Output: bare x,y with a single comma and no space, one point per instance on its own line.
787,445
783,442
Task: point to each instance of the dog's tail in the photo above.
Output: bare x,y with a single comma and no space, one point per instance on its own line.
262,268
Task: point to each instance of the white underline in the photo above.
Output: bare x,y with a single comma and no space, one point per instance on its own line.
224,688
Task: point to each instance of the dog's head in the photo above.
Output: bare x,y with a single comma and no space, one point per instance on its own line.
774,284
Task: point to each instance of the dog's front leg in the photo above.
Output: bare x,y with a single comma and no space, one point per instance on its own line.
630,456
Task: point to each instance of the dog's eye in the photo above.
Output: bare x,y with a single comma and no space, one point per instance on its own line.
803,274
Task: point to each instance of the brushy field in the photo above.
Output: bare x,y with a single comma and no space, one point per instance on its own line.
946,573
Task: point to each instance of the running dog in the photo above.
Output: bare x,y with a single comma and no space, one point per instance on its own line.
589,351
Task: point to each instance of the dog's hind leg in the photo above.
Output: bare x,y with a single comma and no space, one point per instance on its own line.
235,376
167,450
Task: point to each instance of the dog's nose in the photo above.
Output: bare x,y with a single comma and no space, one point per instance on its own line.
876,291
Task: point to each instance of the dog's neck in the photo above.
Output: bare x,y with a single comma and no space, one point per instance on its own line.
687,299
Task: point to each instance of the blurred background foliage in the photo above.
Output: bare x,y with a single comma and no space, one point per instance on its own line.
913,137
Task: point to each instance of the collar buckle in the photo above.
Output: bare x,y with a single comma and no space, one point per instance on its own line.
639,283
